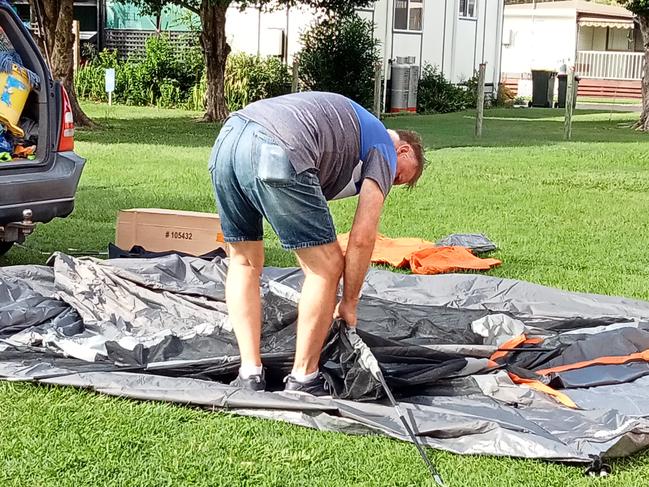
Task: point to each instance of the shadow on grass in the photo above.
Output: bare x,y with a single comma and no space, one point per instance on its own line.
520,128
502,128
184,131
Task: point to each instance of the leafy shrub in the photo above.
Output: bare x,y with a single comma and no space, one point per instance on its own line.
168,78
520,100
339,55
196,99
170,95
88,51
162,68
106,59
506,96
89,80
164,76
192,64
133,85
159,63
250,78
438,95
470,87
89,83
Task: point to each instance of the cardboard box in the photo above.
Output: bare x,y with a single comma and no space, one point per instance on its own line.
161,230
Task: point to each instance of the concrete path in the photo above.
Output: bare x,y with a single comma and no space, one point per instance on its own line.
615,107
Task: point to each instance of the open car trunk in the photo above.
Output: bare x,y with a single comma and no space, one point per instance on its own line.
42,184
37,118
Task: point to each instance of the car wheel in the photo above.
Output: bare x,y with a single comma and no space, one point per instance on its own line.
4,247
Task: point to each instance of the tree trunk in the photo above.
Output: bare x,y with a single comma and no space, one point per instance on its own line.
57,42
643,124
215,52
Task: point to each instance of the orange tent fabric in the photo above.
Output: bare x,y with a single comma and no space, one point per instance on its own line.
423,256
448,259
514,343
541,387
606,360
393,251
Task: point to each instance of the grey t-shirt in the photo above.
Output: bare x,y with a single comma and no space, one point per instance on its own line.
327,132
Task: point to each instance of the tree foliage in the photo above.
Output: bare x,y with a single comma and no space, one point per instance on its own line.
638,7
341,7
213,41
436,94
339,55
518,2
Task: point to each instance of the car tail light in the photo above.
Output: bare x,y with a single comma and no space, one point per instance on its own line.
66,140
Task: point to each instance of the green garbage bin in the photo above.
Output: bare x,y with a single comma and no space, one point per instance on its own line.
563,91
543,88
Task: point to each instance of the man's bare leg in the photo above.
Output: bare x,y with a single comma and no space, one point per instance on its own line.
322,266
242,298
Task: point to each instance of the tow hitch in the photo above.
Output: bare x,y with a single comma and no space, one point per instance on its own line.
17,231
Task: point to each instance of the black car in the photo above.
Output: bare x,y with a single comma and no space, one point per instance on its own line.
41,187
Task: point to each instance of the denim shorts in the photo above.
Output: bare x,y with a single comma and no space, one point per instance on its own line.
254,179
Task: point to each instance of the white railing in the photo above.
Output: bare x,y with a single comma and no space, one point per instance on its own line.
610,65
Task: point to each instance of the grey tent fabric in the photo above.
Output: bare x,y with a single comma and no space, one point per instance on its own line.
629,399
533,304
27,300
476,242
157,329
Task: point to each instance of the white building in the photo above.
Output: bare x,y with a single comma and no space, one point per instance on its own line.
267,32
454,35
601,41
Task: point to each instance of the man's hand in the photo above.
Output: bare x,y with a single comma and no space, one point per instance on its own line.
346,311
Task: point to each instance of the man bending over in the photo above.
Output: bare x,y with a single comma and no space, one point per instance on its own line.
282,159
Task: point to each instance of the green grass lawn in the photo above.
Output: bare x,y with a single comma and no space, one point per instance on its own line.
572,215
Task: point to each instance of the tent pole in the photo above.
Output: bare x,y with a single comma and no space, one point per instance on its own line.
370,364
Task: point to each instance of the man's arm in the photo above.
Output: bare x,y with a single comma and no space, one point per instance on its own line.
359,248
